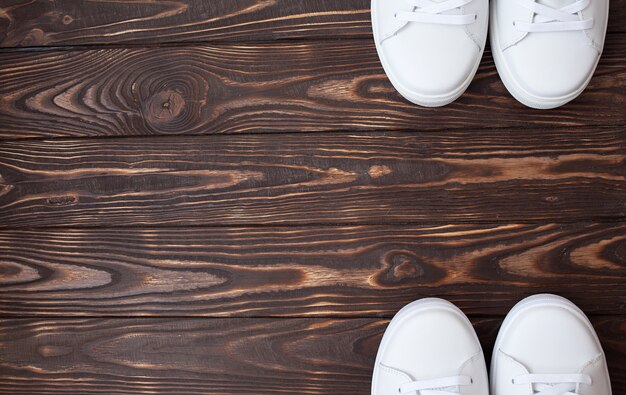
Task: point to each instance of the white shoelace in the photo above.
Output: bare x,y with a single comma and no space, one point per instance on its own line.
435,386
428,11
553,384
548,19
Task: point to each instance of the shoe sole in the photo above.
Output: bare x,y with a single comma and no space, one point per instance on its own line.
423,100
533,301
409,310
515,89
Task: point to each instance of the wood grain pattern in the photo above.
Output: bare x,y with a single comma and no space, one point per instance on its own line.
39,23
466,176
363,271
268,88
268,261
229,356
42,23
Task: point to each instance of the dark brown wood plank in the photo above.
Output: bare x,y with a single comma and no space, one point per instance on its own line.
321,271
209,356
269,88
501,176
38,23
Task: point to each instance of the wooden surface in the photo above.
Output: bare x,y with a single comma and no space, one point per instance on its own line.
25,23
198,356
263,88
315,271
227,197
478,176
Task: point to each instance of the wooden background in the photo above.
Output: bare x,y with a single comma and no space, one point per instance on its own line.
228,197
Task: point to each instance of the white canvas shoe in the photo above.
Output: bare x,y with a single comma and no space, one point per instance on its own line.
547,346
547,50
430,49
430,348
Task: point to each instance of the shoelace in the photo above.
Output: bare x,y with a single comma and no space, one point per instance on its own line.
553,384
548,19
435,386
428,11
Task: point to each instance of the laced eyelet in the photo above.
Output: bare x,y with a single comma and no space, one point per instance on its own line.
438,15
550,19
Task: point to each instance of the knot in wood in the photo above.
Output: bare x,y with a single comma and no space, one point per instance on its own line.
404,267
164,107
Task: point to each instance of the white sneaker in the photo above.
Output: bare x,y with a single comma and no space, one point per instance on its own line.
430,348
430,49
547,346
547,50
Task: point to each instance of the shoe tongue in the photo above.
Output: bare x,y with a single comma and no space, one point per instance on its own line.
556,3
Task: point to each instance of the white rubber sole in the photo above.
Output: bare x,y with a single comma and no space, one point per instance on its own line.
410,310
414,97
514,88
525,304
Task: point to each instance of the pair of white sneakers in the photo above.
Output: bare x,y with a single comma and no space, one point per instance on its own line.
546,346
545,50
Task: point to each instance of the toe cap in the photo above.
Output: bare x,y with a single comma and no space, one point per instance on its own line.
552,65
433,342
430,61
551,338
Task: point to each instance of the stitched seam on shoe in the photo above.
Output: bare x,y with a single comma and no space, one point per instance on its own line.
589,39
516,362
394,371
519,37
471,359
591,362
470,34
395,31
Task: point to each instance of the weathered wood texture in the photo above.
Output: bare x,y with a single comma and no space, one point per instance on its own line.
41,23
157,264
229,356
466,176
270,88
368,271
66,22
